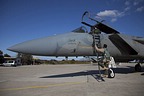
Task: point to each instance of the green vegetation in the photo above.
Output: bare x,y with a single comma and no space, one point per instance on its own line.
26,59
1,57
6,55
64,62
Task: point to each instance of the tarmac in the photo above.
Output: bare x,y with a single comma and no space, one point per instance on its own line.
69,80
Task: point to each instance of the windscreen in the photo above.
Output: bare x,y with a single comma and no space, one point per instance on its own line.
81,29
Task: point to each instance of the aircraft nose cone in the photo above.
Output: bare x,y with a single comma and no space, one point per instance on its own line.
19,48
42,46
13,48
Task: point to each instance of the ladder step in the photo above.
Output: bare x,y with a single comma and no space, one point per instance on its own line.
97,38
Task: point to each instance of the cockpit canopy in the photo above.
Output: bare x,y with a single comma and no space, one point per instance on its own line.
81,29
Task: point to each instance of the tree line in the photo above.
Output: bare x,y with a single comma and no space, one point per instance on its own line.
26,59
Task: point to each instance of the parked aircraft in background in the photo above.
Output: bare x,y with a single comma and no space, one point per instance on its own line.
80,42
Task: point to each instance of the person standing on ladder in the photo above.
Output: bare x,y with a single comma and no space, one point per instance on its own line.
94,30
105,60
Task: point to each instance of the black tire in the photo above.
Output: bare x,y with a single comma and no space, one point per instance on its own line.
138,67
111,73
14,65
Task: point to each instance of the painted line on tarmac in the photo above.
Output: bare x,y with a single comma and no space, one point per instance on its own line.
47,86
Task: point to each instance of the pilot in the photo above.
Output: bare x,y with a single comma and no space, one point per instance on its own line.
105,60
95,30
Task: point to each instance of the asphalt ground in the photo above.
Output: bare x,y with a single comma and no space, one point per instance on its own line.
69,80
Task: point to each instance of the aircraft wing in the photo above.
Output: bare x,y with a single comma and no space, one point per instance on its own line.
122,45
140,41
106,29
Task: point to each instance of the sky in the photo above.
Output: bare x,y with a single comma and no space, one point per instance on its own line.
23,20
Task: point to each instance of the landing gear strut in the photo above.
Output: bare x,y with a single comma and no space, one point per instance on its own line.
138,67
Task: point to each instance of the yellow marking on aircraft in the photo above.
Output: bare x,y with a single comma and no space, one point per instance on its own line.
47,86
85,46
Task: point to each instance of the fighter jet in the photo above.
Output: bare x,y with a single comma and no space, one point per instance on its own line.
80,42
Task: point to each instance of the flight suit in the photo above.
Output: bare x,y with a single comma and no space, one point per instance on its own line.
104,61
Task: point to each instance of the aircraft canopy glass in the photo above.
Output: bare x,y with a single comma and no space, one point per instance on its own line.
81,29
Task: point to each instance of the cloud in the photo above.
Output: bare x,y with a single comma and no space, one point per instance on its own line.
112,14
113,19
135,3
127,3
127,8
109,13
140,9
131,5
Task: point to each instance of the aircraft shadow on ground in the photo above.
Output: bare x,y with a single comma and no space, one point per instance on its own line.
82,73
126,70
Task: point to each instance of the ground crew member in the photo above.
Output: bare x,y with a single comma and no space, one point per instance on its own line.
105,60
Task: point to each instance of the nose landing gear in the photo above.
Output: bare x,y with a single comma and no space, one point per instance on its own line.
111,73
138,67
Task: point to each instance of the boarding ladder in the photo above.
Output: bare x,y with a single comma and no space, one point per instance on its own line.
97,42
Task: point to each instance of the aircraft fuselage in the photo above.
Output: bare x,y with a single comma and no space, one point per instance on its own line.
80,44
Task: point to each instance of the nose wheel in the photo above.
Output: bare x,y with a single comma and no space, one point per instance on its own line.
138,67
111,73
